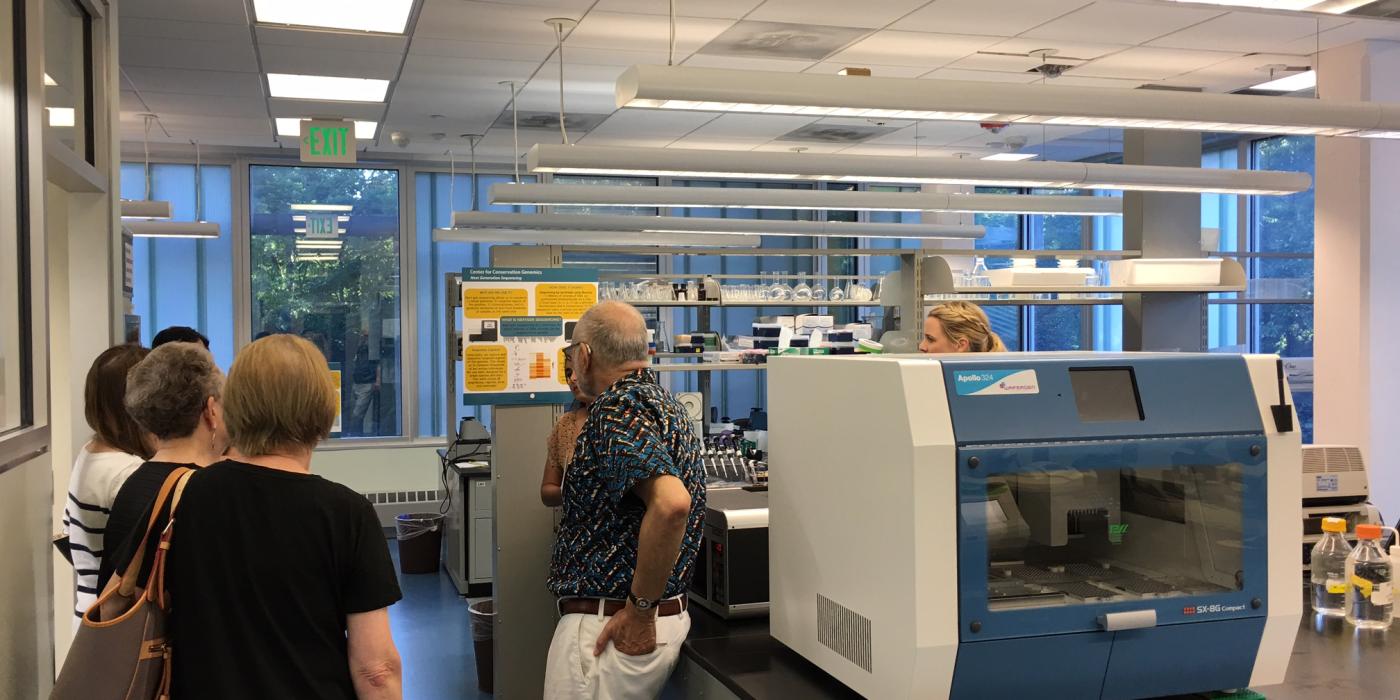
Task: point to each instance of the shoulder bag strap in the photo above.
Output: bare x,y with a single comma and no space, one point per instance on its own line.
133,567
155,588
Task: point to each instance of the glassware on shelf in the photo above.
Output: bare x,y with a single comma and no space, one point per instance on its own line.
818,290
802,291
837,293
979,275
860,292
780,291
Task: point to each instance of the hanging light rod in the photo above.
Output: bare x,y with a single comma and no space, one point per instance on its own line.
689,162
818,95
599,238
171,229
768,198
684,224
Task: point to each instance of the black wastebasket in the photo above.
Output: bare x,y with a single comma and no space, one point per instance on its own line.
483,614
420,542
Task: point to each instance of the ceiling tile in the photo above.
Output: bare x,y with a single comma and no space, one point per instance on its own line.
167,103
746,63
1007,63
340,41
1359,30
185,10
1072,52
1073,79
455,73
611,30
423,46
977,17
277,58
803,147
152,28
747,129
1148,63
723,9
1127,23
922,49
647,124
190,54
839,13
465,20
195,82
988,76
832,68
1243,32
313,108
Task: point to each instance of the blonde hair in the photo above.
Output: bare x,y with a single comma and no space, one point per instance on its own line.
963,320
279,396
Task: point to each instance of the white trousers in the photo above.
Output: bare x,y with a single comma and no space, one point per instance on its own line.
574,672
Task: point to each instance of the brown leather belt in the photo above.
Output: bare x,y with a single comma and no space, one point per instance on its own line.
589,606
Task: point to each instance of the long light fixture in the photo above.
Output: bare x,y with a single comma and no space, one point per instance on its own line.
145,209
1306,80
684,224
601,238
325,87
143,228
531,194
682,162
384,16
321,207
818,95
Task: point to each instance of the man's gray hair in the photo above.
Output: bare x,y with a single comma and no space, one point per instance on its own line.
615,332
167,391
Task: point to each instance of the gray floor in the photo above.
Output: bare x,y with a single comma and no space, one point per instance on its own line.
432,630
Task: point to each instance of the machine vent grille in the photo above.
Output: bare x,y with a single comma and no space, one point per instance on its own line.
844,631
1327,459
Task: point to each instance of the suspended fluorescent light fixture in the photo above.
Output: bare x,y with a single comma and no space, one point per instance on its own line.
1012,157
681,162
600,238
145,209
291,126
767,198
143,228
1306,80
818,95
685,224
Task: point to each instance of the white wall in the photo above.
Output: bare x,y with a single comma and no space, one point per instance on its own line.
380,469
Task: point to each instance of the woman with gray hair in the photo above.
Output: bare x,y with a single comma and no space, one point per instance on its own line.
174,394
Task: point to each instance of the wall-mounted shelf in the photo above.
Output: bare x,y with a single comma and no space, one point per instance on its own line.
938,279
1248,301
875,303
1108,300
706,367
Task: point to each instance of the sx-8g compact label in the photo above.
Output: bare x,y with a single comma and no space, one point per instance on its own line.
995,382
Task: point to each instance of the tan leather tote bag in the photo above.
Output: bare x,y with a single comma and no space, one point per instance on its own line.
127,657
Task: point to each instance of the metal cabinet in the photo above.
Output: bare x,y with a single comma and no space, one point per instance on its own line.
470,530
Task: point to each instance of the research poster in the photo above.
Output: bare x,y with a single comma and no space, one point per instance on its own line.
515,325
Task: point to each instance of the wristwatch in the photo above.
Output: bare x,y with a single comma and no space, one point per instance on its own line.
642,604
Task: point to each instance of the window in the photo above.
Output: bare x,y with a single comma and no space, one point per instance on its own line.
437,196
68,75
324,262
182,281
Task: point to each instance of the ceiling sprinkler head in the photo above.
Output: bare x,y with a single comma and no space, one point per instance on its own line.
994,127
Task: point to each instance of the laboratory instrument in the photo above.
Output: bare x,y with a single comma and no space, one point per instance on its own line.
731,569
1050,525
1334,485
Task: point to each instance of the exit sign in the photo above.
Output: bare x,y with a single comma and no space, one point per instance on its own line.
327,141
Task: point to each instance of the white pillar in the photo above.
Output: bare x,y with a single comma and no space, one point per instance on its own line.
1357,312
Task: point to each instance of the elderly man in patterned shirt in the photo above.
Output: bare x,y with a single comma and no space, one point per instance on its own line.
633,505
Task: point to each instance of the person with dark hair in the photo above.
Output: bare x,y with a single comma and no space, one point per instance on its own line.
117,448
179,334
175,395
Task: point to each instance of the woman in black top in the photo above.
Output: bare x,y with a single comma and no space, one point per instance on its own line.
282,580
173,393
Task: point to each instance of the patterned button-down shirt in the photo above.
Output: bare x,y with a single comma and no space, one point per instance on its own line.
634,431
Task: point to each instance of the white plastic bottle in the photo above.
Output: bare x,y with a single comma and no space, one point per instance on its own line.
1370,595
1329,566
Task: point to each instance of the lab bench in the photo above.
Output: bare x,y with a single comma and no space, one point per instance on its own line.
738,659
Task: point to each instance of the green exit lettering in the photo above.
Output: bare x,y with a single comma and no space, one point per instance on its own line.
321,224
328,141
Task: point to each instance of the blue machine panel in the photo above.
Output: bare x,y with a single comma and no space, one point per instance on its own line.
1064,666
1180,659
1033,400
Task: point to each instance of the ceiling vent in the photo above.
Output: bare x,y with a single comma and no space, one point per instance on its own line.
811,42
837,133
576,122
1051,70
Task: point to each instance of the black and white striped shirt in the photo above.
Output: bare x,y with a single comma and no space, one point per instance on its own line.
93,486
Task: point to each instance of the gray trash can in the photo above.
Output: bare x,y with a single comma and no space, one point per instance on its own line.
483,614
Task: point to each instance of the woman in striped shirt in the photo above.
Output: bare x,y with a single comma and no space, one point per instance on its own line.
117,448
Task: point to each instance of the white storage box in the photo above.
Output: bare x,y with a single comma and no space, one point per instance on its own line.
1165,272
1039,276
